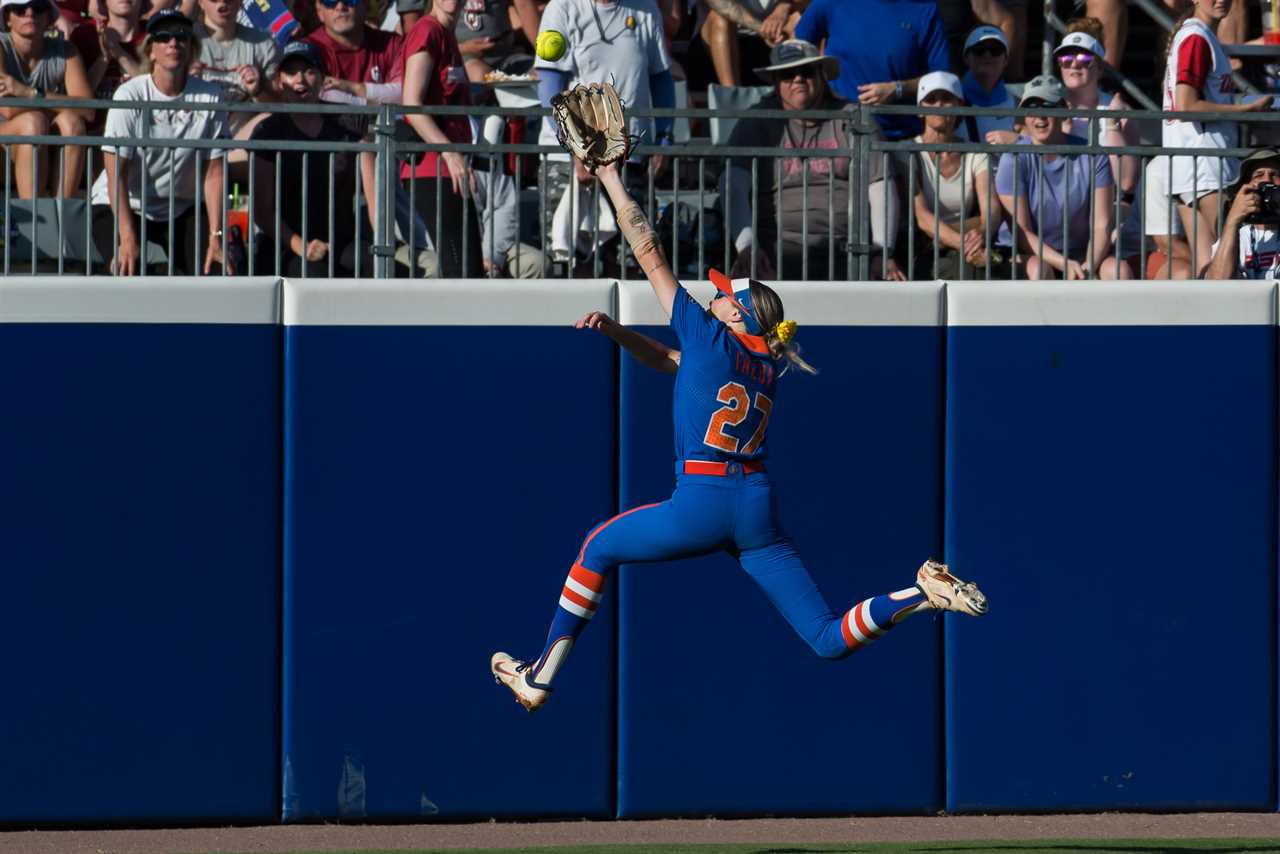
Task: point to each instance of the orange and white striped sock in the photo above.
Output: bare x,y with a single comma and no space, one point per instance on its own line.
579,598
871,618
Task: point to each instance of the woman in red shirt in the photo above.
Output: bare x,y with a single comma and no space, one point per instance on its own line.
435,74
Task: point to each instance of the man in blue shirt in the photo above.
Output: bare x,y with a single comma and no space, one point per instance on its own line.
884,48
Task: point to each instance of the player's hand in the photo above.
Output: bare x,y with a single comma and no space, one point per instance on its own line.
340,85
128,255
1258,106
1076,271
876,93
584,177
893,273
594,320
11,87
316,250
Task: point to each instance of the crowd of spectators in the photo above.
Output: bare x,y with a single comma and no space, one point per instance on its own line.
799,214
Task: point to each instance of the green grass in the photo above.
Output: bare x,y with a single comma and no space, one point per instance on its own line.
1037,846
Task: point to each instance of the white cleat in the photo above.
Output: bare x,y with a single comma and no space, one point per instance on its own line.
945,592
511,672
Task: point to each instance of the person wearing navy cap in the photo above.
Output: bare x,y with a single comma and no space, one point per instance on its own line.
131,198
306,244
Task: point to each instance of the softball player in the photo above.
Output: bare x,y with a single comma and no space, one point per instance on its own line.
731,355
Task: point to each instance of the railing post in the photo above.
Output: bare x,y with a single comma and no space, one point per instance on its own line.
384,192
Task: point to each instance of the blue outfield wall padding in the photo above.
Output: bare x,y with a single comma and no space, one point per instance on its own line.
1111,484
140,517
442,467
723,709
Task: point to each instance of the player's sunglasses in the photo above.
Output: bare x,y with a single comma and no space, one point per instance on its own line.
1076,60
333,4
1036,103
987,49
171,36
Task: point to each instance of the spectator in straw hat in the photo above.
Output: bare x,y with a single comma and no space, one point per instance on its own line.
800,227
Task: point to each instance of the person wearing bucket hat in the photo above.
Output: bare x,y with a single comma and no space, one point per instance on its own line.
1198,78
732,357
884,47
1061,201
800,210
951,198
1250,244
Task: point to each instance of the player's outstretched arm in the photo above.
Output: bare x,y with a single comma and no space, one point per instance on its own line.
645,350
641,236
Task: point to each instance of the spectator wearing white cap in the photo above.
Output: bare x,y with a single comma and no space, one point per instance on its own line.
986,55
1080,62
37,62
801,205
953,197
1049,197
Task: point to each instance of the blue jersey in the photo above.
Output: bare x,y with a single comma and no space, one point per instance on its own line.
724,388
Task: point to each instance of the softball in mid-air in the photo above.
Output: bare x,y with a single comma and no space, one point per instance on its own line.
551,45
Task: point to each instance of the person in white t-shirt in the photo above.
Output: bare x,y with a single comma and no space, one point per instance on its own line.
953,197
148,177
1250,244
1197,78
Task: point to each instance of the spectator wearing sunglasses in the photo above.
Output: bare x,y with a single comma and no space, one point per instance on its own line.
119,206
884,47
986,56
362,65
1059,201
801,204
39,63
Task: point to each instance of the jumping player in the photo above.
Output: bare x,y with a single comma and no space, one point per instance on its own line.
730,358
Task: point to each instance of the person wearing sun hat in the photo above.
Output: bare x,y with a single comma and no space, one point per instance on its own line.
1062,198
951,197
801,188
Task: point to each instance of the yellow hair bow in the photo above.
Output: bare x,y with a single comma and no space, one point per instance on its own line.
785,330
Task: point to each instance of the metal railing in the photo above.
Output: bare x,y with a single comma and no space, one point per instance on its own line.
390,223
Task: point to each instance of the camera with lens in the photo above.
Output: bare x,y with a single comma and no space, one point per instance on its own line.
1269,198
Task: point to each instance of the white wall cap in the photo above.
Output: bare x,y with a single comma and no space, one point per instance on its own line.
811,303
150,299
443,302
1237,303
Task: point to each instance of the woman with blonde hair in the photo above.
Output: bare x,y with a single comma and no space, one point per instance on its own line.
732,354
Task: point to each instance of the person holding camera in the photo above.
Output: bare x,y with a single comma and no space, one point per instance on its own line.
1250,244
